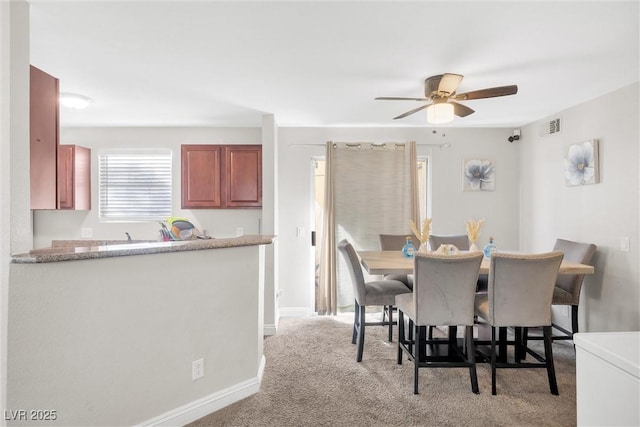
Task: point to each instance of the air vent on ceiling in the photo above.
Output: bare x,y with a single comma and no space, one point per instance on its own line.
550,127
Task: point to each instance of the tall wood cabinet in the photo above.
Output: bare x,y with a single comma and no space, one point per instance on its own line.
74,177
43,139
221,176
60,174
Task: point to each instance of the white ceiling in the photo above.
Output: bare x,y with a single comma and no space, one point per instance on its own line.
322,63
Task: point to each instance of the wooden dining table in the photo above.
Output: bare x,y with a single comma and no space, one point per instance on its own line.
393,262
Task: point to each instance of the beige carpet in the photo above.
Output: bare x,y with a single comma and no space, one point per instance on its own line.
312,378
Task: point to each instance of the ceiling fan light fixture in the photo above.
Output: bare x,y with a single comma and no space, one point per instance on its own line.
75,101
440,113
441,91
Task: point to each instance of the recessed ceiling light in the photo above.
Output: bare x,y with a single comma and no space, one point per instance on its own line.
73,100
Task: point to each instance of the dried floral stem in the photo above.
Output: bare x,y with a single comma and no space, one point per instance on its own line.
424,232
473,229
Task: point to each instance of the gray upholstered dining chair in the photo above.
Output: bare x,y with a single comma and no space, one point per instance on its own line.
395,242
568,286
443,294
519,295
460,241
375,293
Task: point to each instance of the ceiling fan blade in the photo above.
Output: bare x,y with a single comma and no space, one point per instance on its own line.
415,110
396,98
449,83
431,85
488,93
461,110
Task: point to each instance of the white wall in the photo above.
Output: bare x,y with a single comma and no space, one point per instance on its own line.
21,231
111,341
602,213
451,206
270,220
15,217
5,191
51,225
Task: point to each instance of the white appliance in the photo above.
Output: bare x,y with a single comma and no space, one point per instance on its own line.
608,378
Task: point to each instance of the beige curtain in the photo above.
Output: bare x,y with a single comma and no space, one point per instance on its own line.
370,189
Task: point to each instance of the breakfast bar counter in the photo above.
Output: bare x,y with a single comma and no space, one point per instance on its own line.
109,333
74,250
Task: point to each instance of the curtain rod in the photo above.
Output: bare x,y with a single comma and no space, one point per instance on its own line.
444,145
372,146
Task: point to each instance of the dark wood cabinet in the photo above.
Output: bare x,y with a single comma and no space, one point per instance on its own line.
43,139
221,176
60,174
74,177
243,175
201,172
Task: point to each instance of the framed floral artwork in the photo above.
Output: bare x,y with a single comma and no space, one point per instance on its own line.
581,164
479,175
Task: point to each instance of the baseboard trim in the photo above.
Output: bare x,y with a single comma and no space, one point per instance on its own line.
295,312
270,330
199,408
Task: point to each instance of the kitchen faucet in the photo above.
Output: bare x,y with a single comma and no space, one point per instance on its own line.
128,237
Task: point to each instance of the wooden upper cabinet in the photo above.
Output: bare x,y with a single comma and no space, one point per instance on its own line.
244,175
74,177
221,176
43,139
201,171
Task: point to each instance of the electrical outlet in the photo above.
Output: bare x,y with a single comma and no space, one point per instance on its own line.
87,232
239,231
197,369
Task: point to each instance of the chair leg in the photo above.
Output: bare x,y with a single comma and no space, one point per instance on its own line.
411,338
356,320
430,333
493,360
574,319
421,340
525,342
502,344
518,351
548,355
390,316
401,339
471,358
416,360
361,334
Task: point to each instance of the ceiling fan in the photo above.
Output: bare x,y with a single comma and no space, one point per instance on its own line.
440,90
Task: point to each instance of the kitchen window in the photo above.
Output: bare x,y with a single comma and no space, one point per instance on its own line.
134,185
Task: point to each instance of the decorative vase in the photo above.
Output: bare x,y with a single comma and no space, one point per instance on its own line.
424,248
473,247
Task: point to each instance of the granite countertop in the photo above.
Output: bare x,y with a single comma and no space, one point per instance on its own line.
78,250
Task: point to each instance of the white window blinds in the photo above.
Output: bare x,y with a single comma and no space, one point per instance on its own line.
135,186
